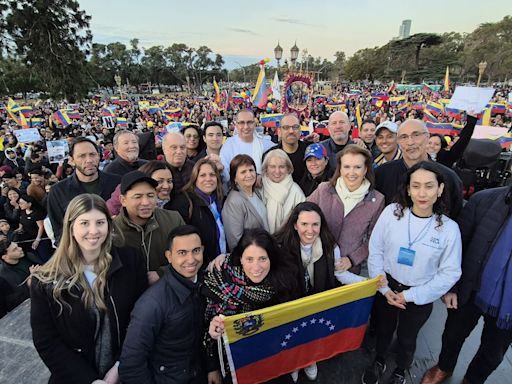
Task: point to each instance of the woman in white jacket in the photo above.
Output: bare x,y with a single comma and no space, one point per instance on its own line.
418,248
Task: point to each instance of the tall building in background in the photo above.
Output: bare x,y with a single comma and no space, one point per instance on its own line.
405,29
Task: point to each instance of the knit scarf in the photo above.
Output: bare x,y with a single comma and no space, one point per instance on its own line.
309,255
280,199
495,294
231,292
351,199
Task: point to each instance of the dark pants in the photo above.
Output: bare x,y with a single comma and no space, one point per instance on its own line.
493,343
407,324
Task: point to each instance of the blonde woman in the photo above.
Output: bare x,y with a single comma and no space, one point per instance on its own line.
82,297
280,193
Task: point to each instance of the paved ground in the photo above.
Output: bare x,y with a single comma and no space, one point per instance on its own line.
20,363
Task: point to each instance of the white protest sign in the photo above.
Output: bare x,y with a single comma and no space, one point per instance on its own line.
29,135
471,98
58,150
108,122
487,132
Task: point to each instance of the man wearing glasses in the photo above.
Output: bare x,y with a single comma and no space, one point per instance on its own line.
289,141
413,138
245,142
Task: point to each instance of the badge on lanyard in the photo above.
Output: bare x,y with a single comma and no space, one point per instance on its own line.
406,256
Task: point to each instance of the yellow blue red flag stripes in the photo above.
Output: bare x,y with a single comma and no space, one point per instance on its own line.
261,91
273,341
272,120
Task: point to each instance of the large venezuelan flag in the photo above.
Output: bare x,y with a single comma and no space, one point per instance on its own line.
273,341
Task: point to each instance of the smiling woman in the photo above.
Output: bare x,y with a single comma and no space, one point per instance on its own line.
82,297
200,205
351,204
280,192
418,248
254,276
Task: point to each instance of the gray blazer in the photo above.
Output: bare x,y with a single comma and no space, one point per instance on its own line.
239,214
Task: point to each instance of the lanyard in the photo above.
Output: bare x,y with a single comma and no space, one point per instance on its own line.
422,233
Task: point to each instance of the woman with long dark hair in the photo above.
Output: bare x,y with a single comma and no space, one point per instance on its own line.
306,238
200,204
418,248
82,297
254,276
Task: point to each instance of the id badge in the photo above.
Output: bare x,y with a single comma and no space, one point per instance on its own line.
406,256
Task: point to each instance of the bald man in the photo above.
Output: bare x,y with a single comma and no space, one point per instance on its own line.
339,130
413,138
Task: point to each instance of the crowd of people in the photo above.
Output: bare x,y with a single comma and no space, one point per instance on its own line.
132,256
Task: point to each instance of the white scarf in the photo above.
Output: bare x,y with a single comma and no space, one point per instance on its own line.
280,199
309,255
351,199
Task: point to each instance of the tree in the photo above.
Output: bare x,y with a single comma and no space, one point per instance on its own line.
52,38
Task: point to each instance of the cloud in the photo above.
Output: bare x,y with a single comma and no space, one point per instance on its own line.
292,21
241,30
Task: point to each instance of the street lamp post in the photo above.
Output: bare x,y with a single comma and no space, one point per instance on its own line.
278,54
294,54
304,59
481,68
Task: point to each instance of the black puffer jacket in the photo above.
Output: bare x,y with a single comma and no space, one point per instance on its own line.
164,340
480,223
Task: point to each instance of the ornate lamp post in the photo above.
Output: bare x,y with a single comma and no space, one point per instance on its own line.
294,54
278,54
481,68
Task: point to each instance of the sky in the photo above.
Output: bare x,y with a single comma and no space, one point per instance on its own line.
244,32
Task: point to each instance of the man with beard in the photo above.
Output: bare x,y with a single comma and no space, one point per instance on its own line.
289,141
126,145
84,157
339,130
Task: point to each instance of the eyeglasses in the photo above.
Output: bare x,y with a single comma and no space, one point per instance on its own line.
295,127
242,123
415,136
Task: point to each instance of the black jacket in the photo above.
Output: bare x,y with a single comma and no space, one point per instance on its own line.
309,183
120,166
448,157
200,216
64,191
390,176
164,339
480,222
66,342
